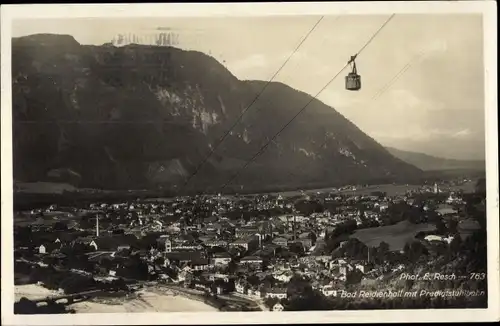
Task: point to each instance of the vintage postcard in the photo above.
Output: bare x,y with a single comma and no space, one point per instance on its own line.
249,163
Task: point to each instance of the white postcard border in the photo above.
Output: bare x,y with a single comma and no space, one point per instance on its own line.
486,8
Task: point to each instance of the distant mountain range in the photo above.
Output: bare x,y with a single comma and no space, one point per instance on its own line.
432,163
139,116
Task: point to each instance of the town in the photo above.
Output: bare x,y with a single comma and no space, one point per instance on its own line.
270,251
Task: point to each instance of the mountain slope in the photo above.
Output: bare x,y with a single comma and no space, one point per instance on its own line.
142,116
428,162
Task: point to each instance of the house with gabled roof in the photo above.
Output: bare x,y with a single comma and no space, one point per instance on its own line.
278,307
111,242
221,258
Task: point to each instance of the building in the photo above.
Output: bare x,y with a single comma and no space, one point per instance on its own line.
284,276
251,260
244,243
200,264
445,209
250,243
278,307
185,245
382,206
278,293
305,242
113,243
363,267
217,276
279,241
222,258
184,256
215,243
329,291
244,232
240,287
255,293
344,269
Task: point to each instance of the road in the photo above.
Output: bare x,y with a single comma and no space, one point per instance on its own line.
230,298
258,302
234,298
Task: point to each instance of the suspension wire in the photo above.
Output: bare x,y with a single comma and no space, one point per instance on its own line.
235,123
263,148
384,88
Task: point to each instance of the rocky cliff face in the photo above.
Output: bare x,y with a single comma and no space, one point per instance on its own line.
143,116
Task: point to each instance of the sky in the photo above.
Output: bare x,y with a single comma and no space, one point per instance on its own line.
436,106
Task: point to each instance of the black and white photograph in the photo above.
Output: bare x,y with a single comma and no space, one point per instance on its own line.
158,161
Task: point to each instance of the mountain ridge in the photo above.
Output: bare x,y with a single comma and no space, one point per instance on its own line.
428,162
145,116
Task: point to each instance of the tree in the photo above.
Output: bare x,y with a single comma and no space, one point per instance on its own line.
159,261
480,187
414,250
314,237
77,283
136,268
379,194
307,207
270,302
453,226
354,277
455,244
312,300
380,253
440,226
217,249
296,248
253,280
383,248
232,267
25,306
269,281
118,284
59,226
298,286
23,235
355,249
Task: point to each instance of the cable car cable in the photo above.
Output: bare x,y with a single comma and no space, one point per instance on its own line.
263,148
219,142
397,76
376,33
383,89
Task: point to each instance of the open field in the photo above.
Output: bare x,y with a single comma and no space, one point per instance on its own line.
147,301
23,219
40,194
396,235
43,187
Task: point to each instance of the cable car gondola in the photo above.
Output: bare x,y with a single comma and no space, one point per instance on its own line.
353,80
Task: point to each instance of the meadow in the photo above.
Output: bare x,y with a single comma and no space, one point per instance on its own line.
396,235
